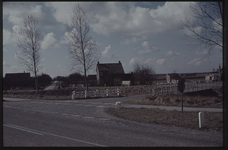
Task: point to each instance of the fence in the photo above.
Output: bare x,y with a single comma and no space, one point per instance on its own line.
147,89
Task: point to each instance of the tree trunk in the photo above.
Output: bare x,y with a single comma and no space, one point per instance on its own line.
36,82
86,85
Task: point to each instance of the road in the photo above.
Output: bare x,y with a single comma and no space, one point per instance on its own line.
84,123
52,86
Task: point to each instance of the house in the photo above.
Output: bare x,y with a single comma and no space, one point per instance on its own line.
111,74
18,80
172,78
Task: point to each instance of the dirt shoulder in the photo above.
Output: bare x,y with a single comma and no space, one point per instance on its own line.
189,120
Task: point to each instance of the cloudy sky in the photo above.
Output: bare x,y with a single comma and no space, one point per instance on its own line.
144,32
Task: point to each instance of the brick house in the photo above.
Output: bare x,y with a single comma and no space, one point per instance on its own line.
111,74
172,78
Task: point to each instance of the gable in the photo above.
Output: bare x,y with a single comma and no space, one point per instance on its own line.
114,68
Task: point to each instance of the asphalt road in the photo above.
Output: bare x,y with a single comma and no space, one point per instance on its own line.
83,123
52,86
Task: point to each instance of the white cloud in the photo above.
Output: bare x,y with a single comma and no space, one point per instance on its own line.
49,41
195,62
177,53
106,53
125,18
161,61
9,38
61,10
17,13
204,52
169,53
133,61
132,41
149,61
147,48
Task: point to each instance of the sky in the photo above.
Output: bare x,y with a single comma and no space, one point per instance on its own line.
130,32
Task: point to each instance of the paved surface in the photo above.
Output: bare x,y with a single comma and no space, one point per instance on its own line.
84,123
112,102
52,86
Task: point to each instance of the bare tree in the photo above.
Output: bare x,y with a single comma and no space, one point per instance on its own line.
82,48
143,73
29,46
206,27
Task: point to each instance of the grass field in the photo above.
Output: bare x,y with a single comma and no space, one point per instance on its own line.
189,120
206,99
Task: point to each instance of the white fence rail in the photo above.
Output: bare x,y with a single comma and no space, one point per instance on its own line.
147,89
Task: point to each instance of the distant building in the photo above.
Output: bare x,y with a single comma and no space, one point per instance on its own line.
111,74
217,76
18,80
172,78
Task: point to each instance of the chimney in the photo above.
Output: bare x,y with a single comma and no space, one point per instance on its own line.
98,62
24,71
119,62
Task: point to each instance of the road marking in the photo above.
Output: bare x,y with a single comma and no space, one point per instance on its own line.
100,106
41,133
89,117
103,119
22,128
88,105
76,115
65,114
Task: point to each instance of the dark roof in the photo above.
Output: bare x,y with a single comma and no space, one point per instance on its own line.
92,77
112,68
17,76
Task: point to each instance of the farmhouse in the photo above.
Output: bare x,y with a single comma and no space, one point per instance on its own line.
172,78
111,74
17,80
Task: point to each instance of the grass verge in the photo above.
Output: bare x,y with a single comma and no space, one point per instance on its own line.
206,99
189,120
